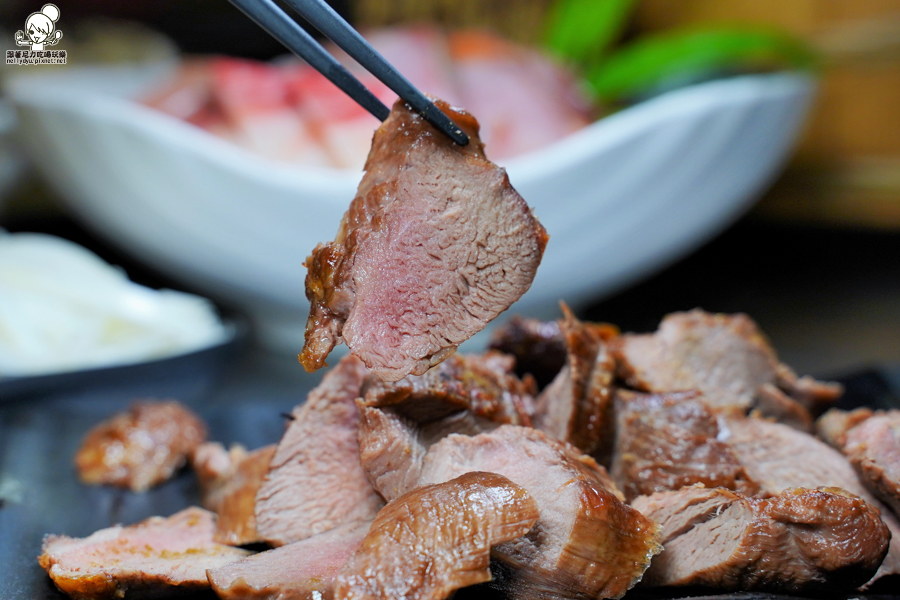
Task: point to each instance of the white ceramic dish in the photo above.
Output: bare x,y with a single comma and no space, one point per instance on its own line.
621,198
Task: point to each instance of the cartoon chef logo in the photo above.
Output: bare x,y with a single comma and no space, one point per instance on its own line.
40,29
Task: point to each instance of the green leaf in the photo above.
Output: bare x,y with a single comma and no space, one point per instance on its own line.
580,31
650,62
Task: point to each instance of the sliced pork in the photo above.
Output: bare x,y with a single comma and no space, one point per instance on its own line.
799,541
436,539
466,394
577,406
727,358
670,441
157,557
778,457
391,451
538,346
832,427
587,542
483,385
304,570
873,447
214,466
141,447
229,481
315,482
435,245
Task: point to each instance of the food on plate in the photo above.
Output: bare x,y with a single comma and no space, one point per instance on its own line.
435,245
467,394
419,487
587,542
437,538
482,384
315,482
141,447
779,457
229,481
65,309
215,466
832,427
800,541
155,557
728,359
577,405
873,447
290,112
303,570
538,347
670,441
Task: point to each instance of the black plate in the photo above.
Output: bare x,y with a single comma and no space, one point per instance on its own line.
242,397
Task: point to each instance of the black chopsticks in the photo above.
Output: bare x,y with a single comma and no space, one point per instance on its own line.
279,25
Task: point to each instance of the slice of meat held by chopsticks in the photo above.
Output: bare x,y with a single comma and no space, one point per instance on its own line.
435,245
799,541
436,539
155,557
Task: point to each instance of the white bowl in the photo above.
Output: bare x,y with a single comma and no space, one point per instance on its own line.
620,199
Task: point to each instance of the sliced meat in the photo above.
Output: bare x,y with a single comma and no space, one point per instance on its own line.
437,539
815,396
392,448
800,541
465,394
779,457
215,466
315,482
304,570
157,557
727,358
587,542
577,406
231,493
538,346
772,403
483,385
832,427
391,451
873,447
670,441
435,245
141,447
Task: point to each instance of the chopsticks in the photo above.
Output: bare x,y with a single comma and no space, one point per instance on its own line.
279,25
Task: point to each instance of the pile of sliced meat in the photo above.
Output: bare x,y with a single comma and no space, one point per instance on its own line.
656,460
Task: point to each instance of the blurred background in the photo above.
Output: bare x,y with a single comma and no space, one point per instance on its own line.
770,130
